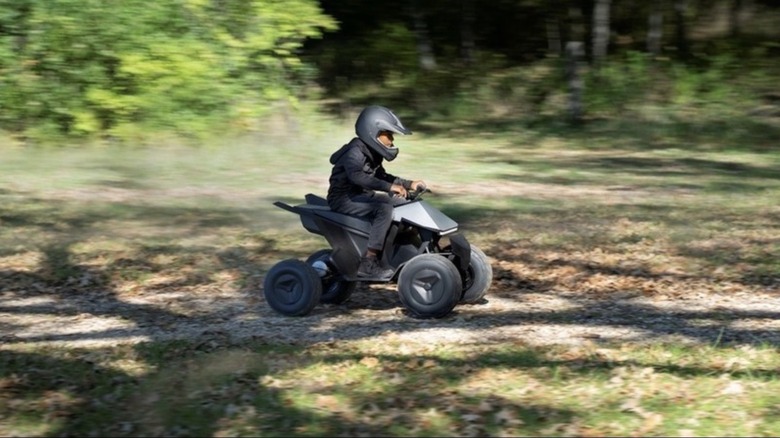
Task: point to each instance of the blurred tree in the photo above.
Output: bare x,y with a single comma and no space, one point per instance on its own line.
681,25
468,42
734,19
575,53
600,30
86,67
424,43
655,30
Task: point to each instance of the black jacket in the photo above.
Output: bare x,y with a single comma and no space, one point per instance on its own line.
357,169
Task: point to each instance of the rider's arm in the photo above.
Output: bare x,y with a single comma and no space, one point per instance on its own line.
359,172
382,174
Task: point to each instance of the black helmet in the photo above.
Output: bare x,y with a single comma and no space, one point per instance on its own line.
375,119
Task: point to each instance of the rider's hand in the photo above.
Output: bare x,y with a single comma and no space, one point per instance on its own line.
419,185
399,190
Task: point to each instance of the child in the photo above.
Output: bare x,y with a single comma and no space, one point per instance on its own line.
357,176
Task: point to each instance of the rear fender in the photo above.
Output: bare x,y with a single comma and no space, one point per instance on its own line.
308,218
348,236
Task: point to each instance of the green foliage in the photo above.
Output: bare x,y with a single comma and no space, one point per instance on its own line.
505,57
615,84
716,89
89,67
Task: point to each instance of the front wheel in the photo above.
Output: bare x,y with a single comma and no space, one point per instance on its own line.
429,286
477,278
292,288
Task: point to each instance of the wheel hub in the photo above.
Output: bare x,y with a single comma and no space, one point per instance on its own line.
426,286
290,289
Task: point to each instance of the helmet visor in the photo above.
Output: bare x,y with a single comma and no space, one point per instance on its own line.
396,127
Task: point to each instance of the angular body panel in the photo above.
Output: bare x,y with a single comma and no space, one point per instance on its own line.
424,215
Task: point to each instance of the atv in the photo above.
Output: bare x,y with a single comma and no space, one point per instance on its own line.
435,267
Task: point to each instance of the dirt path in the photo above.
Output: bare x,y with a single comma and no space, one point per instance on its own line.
538,299
508,315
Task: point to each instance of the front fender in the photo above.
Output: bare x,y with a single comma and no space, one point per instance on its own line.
461,249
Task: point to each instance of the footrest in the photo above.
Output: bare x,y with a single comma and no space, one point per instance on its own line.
371,279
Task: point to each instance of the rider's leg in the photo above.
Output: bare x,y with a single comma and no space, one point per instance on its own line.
379,210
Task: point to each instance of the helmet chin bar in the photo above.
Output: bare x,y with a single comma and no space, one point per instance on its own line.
392,152
387,152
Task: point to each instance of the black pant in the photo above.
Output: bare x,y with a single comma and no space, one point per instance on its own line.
377,207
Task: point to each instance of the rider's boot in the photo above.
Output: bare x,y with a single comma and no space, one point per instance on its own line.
370,267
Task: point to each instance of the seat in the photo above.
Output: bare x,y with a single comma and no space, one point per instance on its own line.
319,206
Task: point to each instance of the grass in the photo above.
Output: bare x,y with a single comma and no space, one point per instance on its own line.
361,388
606,209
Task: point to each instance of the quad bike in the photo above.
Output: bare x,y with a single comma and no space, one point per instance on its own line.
434,266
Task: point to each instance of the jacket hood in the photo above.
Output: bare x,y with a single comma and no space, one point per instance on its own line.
336,156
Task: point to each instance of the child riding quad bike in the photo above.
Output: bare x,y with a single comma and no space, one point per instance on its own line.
434,266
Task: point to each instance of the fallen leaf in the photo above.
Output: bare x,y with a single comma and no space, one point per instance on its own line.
471,418
369,361
507,416
652,420
733,388
397,379
485,406
328,403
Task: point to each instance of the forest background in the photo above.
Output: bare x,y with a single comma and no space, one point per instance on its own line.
132,71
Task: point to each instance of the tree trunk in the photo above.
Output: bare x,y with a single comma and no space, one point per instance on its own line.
553,36
575,52
427,60
600,30
683,48
576,26
655,32
467,42
735,26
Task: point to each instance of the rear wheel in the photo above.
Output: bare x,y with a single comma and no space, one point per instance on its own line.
333,291
429,286
292,288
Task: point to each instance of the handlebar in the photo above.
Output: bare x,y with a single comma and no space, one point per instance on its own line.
417,194
412,195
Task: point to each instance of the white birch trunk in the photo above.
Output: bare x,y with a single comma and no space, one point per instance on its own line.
575,52
427,60
655,32
600,30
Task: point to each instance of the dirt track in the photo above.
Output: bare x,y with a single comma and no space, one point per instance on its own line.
542,297
515,311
